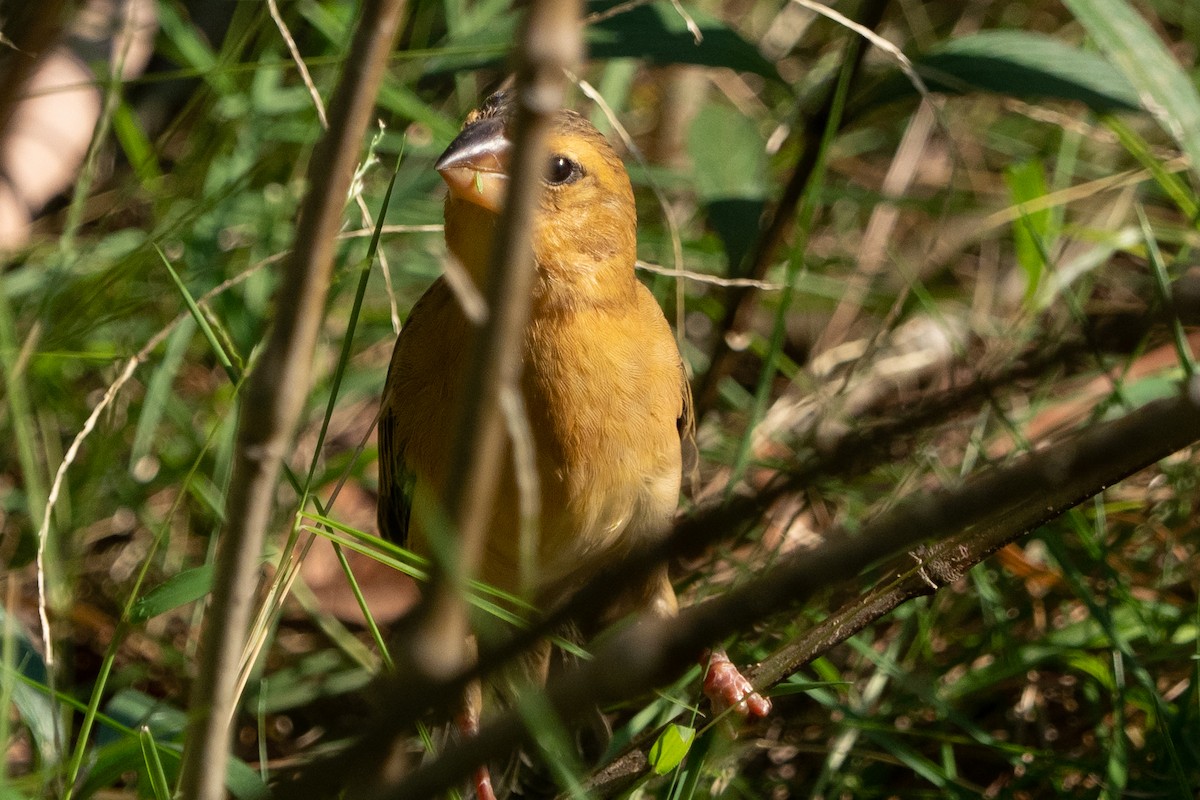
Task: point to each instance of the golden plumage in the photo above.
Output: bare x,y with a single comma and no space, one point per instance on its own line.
605,393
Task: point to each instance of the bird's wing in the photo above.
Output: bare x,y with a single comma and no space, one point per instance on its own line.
414,415
689,453
395,480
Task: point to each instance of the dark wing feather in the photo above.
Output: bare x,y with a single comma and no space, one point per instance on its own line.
395,480
689,453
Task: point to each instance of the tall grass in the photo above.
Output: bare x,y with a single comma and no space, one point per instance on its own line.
1013,268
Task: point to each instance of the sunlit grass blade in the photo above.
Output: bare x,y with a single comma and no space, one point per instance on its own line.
1164,87
137,146
554,741
355,309
201,320
1027,181
20,414
153,765
1163,283
1169,181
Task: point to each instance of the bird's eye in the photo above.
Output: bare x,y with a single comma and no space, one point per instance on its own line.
562,170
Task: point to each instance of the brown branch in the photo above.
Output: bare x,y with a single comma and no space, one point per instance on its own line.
918,574
994,506
999,505
741,300
948,561
273,400
550,44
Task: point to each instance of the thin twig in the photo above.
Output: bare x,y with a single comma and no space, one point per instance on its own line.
609,13
713,280
367,233
994,507
274,398
906,66
294,51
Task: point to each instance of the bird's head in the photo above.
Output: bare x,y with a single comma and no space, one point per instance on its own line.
585,227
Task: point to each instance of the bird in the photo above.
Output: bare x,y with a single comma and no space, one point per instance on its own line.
604,387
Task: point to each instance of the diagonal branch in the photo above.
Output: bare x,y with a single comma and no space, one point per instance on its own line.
993,507
968,522
274,398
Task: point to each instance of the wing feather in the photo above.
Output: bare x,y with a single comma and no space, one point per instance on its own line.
686,424
395,481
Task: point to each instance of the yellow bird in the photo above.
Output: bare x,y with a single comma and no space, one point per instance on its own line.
604,389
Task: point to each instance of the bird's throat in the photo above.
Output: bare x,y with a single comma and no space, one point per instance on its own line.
469,232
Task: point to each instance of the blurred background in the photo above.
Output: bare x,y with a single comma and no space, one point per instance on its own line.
946,235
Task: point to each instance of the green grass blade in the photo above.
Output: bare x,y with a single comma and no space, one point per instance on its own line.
554,740
178,590
348,339
209,334
1164,87
138,149
158,393
1027,182
154,766
20,414
1174,186
1163,283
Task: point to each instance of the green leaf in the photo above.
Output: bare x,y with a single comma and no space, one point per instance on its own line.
1018,64
1031,231
30,696
1164,88
135,710
122,748
732,152
107,765
317,675
669,750
731,178
244,782
655,33
186,587
135,722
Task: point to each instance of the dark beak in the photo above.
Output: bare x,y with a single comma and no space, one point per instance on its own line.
475,164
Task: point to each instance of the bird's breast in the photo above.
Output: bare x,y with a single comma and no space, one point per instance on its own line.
602,393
